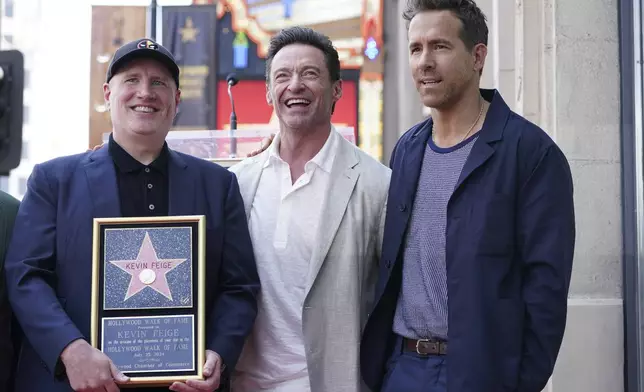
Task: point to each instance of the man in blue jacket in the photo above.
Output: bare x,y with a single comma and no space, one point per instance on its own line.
48,265
479,232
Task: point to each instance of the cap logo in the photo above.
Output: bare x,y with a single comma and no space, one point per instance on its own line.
147,44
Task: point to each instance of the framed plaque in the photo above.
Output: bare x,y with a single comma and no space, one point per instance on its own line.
148,298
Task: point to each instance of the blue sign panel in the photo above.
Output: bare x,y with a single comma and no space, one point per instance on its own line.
190,33
145,344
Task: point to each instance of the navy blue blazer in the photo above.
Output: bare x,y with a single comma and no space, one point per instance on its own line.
49,266
510,238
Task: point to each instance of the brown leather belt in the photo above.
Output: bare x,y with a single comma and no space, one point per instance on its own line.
425,346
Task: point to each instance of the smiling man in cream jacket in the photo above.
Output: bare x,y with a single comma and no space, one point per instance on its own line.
315,204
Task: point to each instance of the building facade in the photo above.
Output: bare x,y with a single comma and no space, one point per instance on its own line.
55,96
10,38
574,67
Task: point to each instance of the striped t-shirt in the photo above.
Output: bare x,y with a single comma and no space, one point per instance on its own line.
421,311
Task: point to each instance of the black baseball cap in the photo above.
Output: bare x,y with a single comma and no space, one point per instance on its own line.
143,48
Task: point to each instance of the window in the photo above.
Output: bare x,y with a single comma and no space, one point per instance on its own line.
24,154
22,185
4,184
8,8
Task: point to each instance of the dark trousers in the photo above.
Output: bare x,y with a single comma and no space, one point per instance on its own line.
412,372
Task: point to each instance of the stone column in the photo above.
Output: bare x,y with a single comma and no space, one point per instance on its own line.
580,93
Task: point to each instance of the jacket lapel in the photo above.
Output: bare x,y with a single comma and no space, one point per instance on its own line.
182,183
481,152
492,131
404,183
103,188
343,180
412,163
248,175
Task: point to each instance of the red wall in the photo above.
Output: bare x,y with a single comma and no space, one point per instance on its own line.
251,106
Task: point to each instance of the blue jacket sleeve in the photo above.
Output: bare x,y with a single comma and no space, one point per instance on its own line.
235,308
546,223
30,271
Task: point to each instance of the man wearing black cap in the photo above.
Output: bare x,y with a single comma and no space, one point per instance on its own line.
48,264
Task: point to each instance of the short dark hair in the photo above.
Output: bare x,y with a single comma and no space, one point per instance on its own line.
474,30
306,36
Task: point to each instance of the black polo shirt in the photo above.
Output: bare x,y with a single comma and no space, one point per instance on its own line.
143,189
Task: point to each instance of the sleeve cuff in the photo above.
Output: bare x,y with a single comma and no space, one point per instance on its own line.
56,364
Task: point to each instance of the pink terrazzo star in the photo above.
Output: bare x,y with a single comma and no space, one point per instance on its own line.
148,270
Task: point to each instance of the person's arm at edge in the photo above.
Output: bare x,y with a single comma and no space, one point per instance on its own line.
30,269
8,210
235,307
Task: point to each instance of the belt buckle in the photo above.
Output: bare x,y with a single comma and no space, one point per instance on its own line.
417,343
